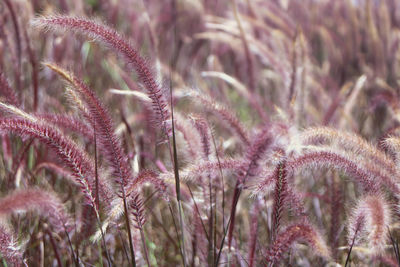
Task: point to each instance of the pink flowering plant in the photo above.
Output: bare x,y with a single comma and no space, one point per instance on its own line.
199,133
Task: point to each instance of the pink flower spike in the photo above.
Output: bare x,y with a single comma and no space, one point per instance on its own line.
370,221
297,232
121,46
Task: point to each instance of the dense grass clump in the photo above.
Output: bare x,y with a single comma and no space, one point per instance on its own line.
199,133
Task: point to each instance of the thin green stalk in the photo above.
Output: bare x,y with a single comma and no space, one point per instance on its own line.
95,166
174,159
169,237
224,230
223,201
101,258
128,228
54,246
198,213
351,246
97,195
175,155
146,254
176,230
215,230
72,249
222,242
123,244
104,241
210,225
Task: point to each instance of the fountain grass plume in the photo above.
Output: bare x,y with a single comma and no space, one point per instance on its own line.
119,44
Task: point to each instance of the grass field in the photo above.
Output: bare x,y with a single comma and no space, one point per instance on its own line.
199,133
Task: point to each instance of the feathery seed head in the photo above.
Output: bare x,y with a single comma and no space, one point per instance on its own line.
370,220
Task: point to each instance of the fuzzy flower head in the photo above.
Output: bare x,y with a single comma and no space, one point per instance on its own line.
369,222
298,232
